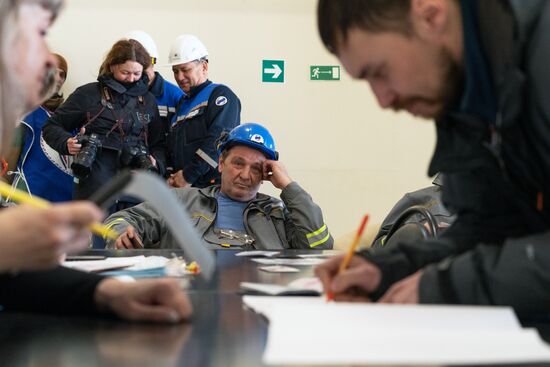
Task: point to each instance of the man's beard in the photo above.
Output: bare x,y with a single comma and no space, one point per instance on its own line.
452,73
451,78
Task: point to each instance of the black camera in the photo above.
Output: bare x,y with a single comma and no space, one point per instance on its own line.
82,164
136,156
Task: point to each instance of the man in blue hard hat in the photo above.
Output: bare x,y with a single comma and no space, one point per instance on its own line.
234,214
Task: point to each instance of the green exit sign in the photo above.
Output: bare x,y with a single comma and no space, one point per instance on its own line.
317,72
273,71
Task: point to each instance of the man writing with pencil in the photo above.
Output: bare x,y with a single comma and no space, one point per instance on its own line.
479,68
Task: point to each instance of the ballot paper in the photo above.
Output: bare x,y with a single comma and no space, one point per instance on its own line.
257,253
109,263
307,286
346,333
279,269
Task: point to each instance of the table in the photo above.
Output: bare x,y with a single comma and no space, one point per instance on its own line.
222,332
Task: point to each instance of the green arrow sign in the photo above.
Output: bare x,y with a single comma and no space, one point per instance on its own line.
317,72
273,71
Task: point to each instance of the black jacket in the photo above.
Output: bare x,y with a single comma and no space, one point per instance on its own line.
200,119
497,178
88,103
57,291
97,107
428,198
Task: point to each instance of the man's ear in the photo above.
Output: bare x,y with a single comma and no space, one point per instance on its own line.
430,18
220,164
205,66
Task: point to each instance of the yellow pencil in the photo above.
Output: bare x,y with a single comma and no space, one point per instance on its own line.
351,250
24,198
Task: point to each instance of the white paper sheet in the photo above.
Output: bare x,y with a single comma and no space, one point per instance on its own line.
279,269
310,330
305,286
257,253
109,263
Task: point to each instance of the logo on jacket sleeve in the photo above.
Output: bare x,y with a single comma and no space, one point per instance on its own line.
221,100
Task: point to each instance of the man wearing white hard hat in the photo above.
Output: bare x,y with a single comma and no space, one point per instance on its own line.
202,115
166,93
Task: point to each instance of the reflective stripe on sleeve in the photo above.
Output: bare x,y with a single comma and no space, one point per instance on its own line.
163,111
114,222
207,158
110,225
318,237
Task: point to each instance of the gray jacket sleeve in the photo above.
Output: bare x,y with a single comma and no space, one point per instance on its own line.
515,274
148,223
404,258
305,226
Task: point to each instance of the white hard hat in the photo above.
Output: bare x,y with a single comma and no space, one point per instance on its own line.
146,41
186,48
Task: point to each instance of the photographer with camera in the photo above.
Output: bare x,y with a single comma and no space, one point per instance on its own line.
118,119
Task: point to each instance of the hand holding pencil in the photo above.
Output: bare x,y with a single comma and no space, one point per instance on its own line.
349,277
34,236
22,197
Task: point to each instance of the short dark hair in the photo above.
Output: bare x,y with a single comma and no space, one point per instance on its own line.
335,18
224,154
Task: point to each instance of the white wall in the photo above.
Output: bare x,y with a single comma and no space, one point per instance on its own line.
334,139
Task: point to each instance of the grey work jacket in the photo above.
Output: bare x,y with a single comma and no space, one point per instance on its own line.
296,222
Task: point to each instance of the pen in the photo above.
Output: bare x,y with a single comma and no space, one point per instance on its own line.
24,198
351,250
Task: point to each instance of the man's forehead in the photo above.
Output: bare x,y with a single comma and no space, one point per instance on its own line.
363,50
353,50
246,153
187,65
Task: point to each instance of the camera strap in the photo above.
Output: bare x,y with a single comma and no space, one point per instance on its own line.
128,109
90,119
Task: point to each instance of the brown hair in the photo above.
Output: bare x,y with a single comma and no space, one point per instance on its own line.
13,101
122,51
62,63
335,18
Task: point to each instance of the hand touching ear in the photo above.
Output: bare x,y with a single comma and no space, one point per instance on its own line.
276,173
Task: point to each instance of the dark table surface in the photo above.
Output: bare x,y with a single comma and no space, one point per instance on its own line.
222,332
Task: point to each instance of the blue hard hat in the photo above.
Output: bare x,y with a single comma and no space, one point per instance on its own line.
252,135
